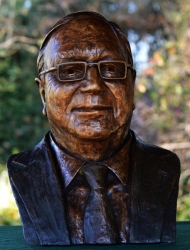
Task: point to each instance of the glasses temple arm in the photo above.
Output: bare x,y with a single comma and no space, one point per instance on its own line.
48,70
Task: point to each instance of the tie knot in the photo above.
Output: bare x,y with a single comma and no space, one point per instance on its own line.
95,175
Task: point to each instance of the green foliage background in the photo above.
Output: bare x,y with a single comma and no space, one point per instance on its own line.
162,87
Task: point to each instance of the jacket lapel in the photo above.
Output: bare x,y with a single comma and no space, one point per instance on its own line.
43,200
152,181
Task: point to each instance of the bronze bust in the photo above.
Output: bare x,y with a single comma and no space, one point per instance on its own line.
91,180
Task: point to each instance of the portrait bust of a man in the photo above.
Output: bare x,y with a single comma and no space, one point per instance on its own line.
91,180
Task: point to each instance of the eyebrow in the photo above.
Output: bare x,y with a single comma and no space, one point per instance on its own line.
72,54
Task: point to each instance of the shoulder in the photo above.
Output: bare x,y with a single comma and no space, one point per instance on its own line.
19,161
156,152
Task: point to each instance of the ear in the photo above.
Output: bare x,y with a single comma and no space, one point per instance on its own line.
41,88
133,76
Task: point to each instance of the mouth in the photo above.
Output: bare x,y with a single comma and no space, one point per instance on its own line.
92,109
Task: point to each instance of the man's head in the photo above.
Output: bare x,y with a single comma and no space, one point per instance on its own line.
86,80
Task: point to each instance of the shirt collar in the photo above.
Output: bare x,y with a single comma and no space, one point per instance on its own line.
119,163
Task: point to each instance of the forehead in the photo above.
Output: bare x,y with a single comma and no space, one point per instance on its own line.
84,37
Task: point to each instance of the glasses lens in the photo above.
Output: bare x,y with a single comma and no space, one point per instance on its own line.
110,70
71,71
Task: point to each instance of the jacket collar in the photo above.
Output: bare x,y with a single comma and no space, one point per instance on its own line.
155,172
43,200
70,166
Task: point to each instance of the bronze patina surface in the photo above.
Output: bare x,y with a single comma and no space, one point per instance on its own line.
91,180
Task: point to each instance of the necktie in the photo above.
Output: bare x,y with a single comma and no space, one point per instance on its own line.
99,220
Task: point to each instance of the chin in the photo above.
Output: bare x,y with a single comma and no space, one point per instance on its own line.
92,134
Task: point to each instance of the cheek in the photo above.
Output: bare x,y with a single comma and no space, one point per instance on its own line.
58,97
123,94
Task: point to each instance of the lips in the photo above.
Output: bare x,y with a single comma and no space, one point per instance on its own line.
92,109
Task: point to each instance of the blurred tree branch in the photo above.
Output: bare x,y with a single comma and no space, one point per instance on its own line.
22,39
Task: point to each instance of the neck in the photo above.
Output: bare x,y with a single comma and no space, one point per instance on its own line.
91,149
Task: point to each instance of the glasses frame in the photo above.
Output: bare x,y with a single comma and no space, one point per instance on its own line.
86,65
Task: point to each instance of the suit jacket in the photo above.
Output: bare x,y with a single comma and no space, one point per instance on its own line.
38,193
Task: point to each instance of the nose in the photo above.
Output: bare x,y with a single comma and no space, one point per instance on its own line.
93,82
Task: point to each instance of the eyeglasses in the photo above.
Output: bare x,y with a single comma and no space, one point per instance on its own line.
76,71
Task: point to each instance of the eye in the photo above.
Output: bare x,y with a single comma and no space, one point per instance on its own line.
108,68
112,69
68,72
